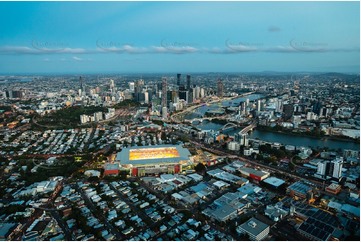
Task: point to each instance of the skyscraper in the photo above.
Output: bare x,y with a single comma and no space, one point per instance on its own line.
288,111
82,86
164,92
81,83
220,88
332,169
111,84
178,79
259,105
138,88
188,82
131,86
337,168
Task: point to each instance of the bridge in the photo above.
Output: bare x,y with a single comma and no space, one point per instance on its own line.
179,117
206,118
228,126
249,128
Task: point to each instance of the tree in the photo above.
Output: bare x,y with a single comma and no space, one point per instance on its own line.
200,168
244,237
291,166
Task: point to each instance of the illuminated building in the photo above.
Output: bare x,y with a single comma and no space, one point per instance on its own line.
147,160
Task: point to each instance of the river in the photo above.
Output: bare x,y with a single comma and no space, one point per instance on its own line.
286,139
199,112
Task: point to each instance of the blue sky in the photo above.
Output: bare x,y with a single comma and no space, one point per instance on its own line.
94,37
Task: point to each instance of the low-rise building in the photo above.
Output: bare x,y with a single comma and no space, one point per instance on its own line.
111,169
299,190
256,229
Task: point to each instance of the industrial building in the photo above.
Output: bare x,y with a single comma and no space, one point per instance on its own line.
111,169
299,190
254,174
274,182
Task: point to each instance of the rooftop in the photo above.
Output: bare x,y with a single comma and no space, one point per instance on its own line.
254,226
255,172
6,228
274,181
300,187
111,166
152,154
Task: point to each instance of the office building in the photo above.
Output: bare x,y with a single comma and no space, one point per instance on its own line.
258,105
131,86
220,88
288,111
178,79
188,82
330,168
164,92
337,168
256,229
164,112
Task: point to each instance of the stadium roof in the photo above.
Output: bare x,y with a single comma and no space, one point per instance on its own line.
144,155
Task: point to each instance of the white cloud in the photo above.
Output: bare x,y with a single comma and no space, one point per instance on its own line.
77,58
229,48
174,49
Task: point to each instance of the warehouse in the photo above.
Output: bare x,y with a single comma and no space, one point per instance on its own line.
254,174
274,182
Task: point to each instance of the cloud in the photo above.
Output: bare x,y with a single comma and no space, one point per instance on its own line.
124,49
174,49
77,58
17,50
229,48
39,51
242,48
273,29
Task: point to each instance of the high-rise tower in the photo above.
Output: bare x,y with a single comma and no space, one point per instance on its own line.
81,83
178,79
188,82
164,92
220,88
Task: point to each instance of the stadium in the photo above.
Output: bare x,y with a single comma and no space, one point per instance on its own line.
152,160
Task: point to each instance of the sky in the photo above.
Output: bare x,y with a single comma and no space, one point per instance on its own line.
184,37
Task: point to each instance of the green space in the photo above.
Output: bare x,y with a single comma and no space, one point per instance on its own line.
68,117
63,167
126,104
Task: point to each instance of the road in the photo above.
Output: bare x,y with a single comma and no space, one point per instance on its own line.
222,153
92,207
62,224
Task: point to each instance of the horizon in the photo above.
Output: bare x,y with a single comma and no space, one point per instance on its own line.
53,38
183,73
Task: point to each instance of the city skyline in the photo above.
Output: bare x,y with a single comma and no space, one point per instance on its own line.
179,37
